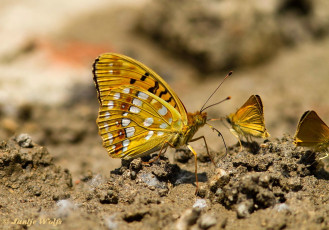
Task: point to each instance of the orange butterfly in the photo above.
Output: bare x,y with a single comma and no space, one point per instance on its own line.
248,120
312,132
139,112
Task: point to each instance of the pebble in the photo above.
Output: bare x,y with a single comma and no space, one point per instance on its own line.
200,203
220,179
24,140
189,218
243,210
152,181
206,221
281,207
136,164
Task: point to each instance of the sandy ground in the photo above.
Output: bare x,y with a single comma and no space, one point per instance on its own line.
65,175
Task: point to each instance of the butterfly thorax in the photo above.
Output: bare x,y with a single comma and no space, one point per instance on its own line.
194,122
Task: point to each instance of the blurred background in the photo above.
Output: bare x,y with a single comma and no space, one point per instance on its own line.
277,49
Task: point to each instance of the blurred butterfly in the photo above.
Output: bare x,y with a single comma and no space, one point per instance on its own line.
312,132
139,112
248,120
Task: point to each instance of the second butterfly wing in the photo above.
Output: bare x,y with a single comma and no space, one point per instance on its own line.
311,131
248,120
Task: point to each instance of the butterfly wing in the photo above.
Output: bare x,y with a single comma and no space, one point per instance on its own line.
138,110
311,130
249,119
113,70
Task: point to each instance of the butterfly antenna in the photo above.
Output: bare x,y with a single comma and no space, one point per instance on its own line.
220,135
228,98
229,74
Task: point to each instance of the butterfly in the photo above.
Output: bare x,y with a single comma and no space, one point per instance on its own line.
312,132
248,120
139,113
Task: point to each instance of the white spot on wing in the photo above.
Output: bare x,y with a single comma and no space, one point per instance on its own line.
130,131
126,90
142,95
125,114
134,109
116,96
125,144
163,111
160,133
110,137
149,135
148,121
110,71
137,102
107,115
170,120
163,125
106,126
125,122
110,105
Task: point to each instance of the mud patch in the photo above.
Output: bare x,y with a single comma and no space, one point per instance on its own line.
279,187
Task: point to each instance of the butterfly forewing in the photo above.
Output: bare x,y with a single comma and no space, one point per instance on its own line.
113,70
134,120
311,130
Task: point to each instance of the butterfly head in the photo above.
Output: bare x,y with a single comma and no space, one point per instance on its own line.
197,119
229,119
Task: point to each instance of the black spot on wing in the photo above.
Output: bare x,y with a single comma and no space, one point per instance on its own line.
145,76
154,88
95,80
132,81
169,100
163,93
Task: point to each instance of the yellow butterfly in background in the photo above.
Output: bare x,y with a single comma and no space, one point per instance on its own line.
312,132
248,120
139,113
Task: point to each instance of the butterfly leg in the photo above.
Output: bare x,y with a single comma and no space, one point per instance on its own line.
237,137
241,147
204,139
163,147
196,168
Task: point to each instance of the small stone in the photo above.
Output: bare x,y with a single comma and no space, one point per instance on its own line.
202,191
220,179
200,203
264,180
136,164
244,209
189,218
151,180
109,197
133,175
24,140
206,221
282,207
